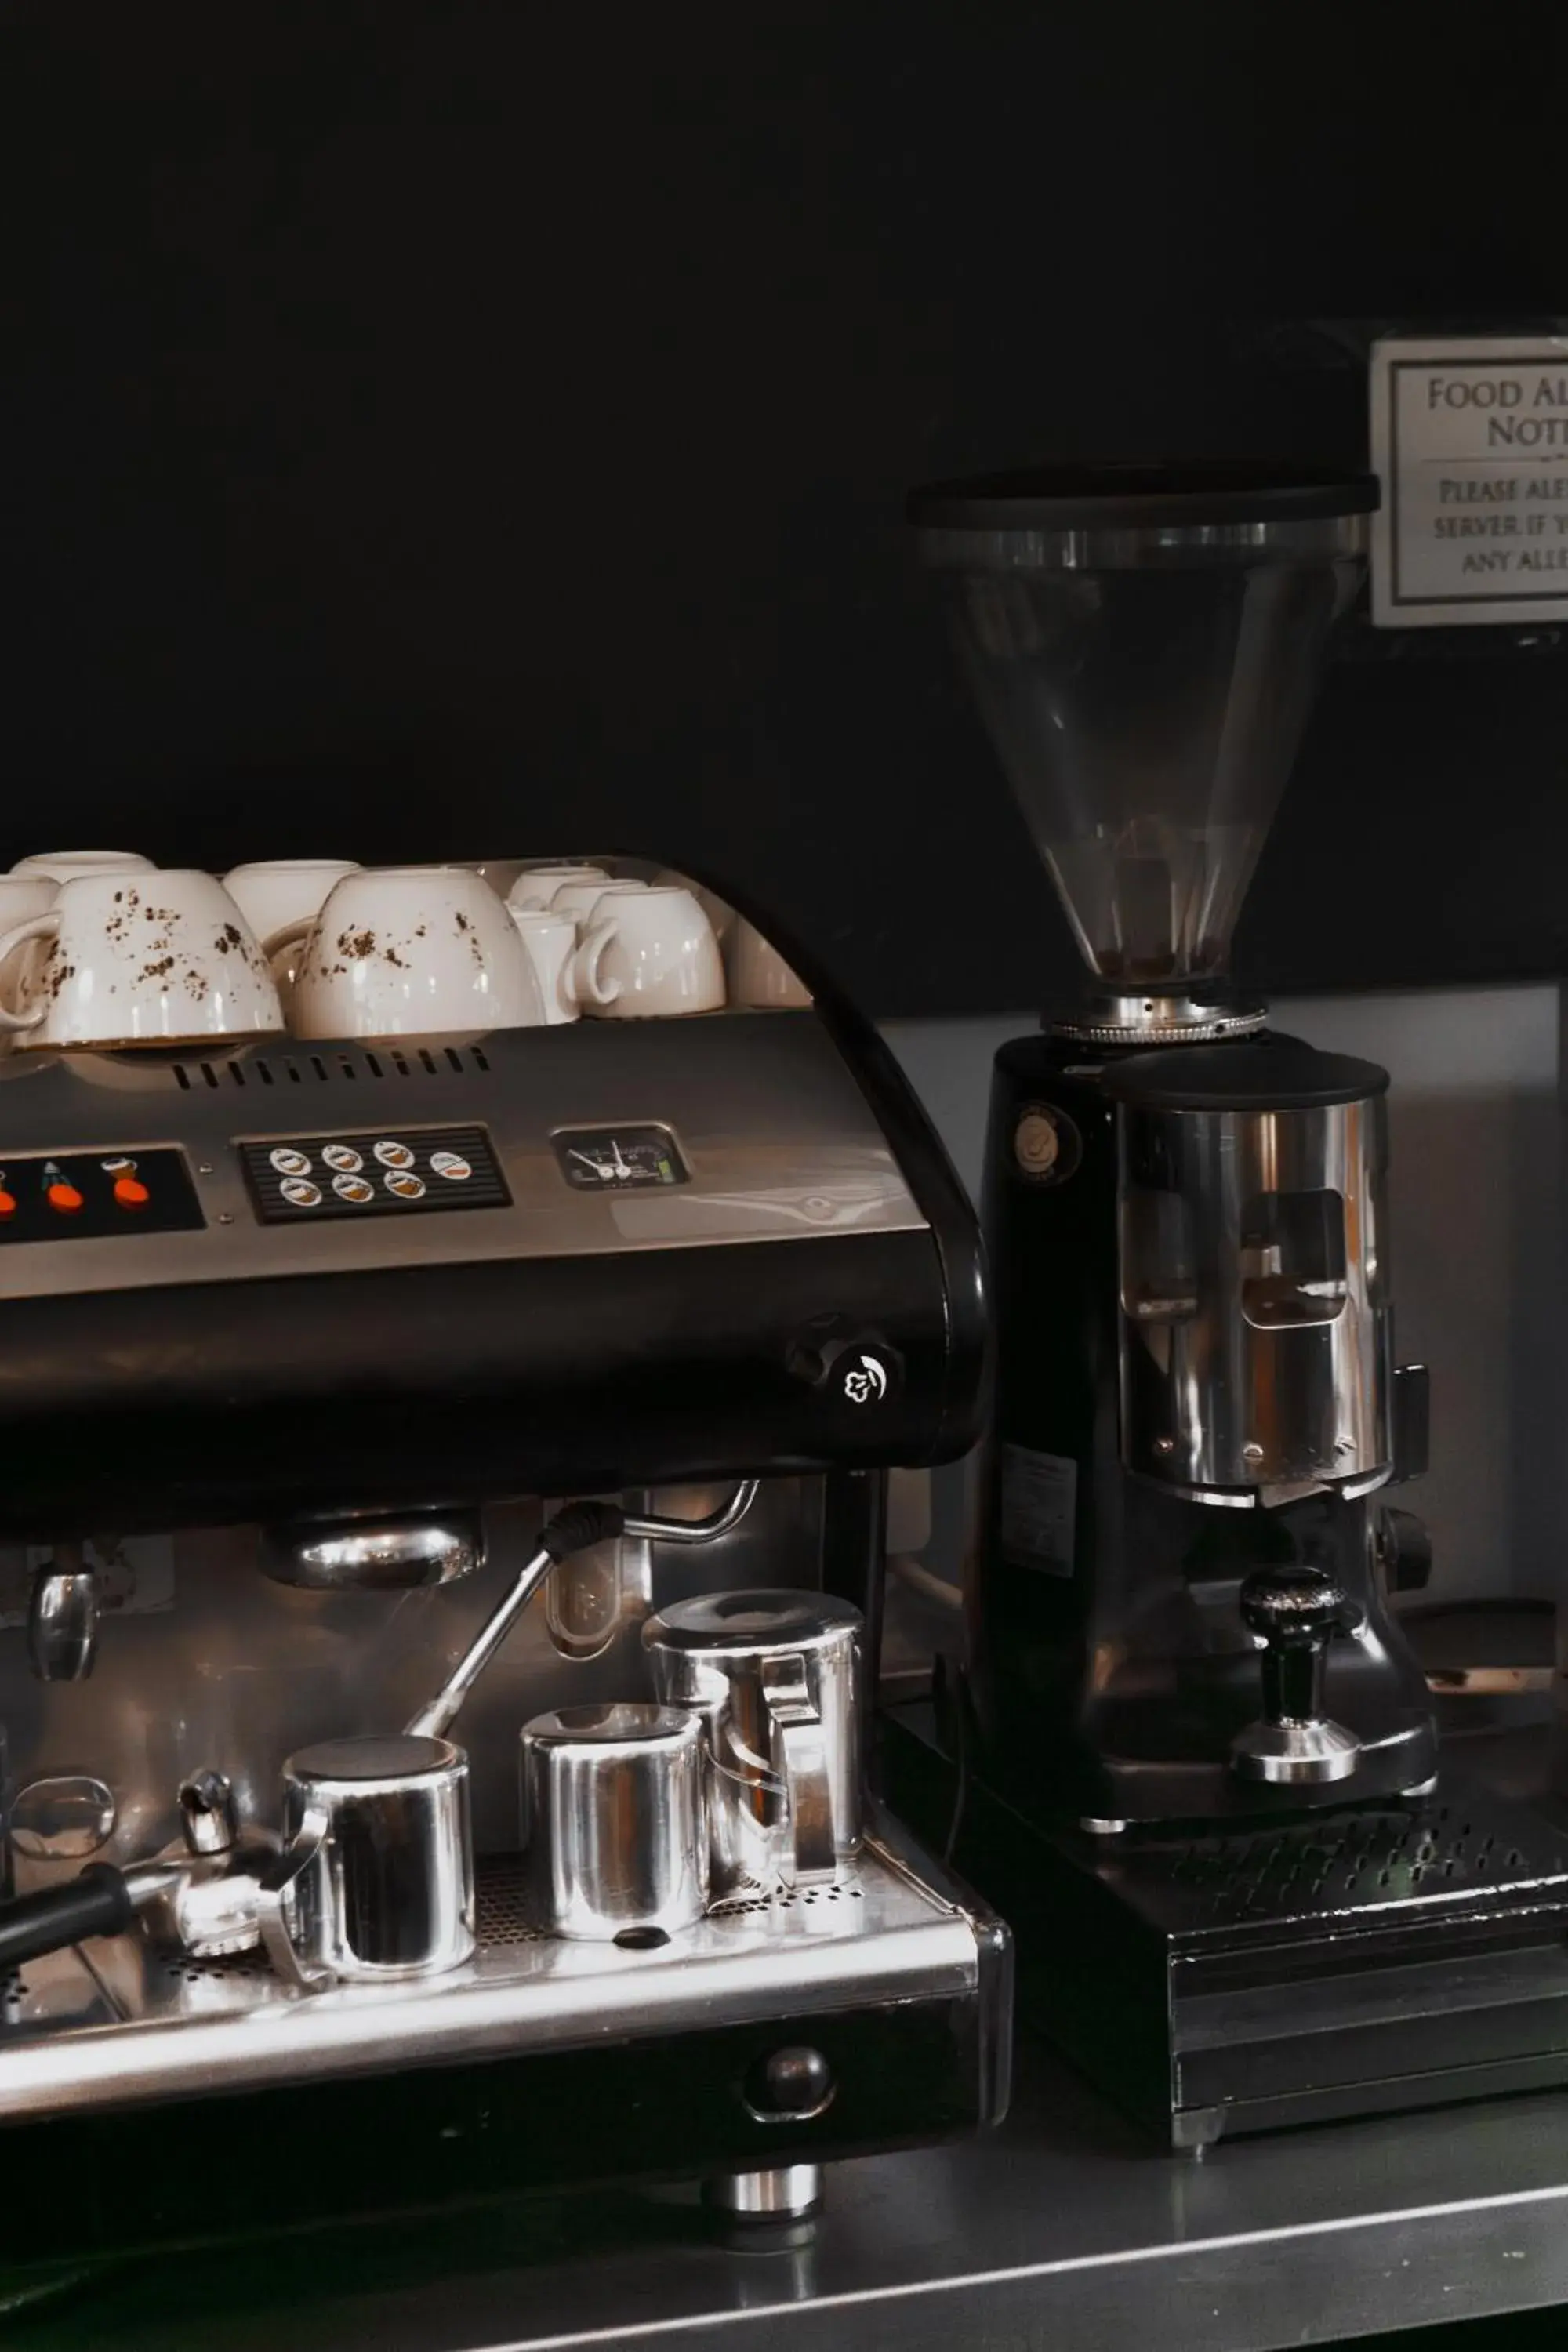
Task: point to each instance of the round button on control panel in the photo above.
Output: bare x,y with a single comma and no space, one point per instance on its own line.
355,1178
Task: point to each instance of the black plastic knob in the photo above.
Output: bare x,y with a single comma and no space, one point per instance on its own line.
794,2081
850,1366
1404,1546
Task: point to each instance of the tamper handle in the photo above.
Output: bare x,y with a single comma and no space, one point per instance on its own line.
1297,1610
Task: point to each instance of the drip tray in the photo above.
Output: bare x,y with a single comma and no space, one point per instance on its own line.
112,2024
1353,1961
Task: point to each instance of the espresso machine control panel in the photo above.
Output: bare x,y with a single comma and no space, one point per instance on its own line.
374,1174
273,1163
79,1196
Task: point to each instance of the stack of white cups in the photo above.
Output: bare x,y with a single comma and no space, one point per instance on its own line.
92,954
623,950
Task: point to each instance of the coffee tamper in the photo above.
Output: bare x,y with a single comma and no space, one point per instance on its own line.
1296,1612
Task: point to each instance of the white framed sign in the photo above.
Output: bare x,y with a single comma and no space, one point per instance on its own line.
1469,438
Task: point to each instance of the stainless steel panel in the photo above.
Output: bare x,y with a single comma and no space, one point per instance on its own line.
1257,1340
778,1139
190,2027
237,1672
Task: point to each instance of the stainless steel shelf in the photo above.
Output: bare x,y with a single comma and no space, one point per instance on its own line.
1062,2233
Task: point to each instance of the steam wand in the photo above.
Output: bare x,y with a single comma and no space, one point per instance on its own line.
574,1528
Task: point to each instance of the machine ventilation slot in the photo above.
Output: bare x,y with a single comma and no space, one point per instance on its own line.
274,1069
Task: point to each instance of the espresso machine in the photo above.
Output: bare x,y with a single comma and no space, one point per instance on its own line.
361,1404
1202,1771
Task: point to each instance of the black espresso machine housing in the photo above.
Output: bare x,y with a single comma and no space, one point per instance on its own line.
252,1287
551,1260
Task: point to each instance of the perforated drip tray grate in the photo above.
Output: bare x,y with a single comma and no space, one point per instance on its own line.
500,1919
116,2021
1402,1861
751,1898
502,1915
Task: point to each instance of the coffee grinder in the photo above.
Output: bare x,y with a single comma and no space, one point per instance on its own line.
1204,1759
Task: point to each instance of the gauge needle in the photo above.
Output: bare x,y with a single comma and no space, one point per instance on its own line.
621,1167
585,1158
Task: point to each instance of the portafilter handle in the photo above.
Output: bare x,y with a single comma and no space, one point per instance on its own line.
1296,1611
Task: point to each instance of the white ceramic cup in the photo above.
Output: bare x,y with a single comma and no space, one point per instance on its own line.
536,885
21,895
500,873
71,864
663,954
411,951
719,913
568,970
138,958
277,890
579,899
759,975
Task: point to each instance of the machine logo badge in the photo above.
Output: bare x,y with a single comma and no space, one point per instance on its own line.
1046,1144
867,1382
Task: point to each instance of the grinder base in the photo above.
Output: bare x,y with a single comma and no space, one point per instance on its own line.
1373,1958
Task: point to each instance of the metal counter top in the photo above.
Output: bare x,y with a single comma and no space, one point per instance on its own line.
1066,2232
1063,2230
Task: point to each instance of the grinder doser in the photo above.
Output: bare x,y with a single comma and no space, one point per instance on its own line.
1178,1600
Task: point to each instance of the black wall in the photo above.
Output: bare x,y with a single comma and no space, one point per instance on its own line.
484,428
